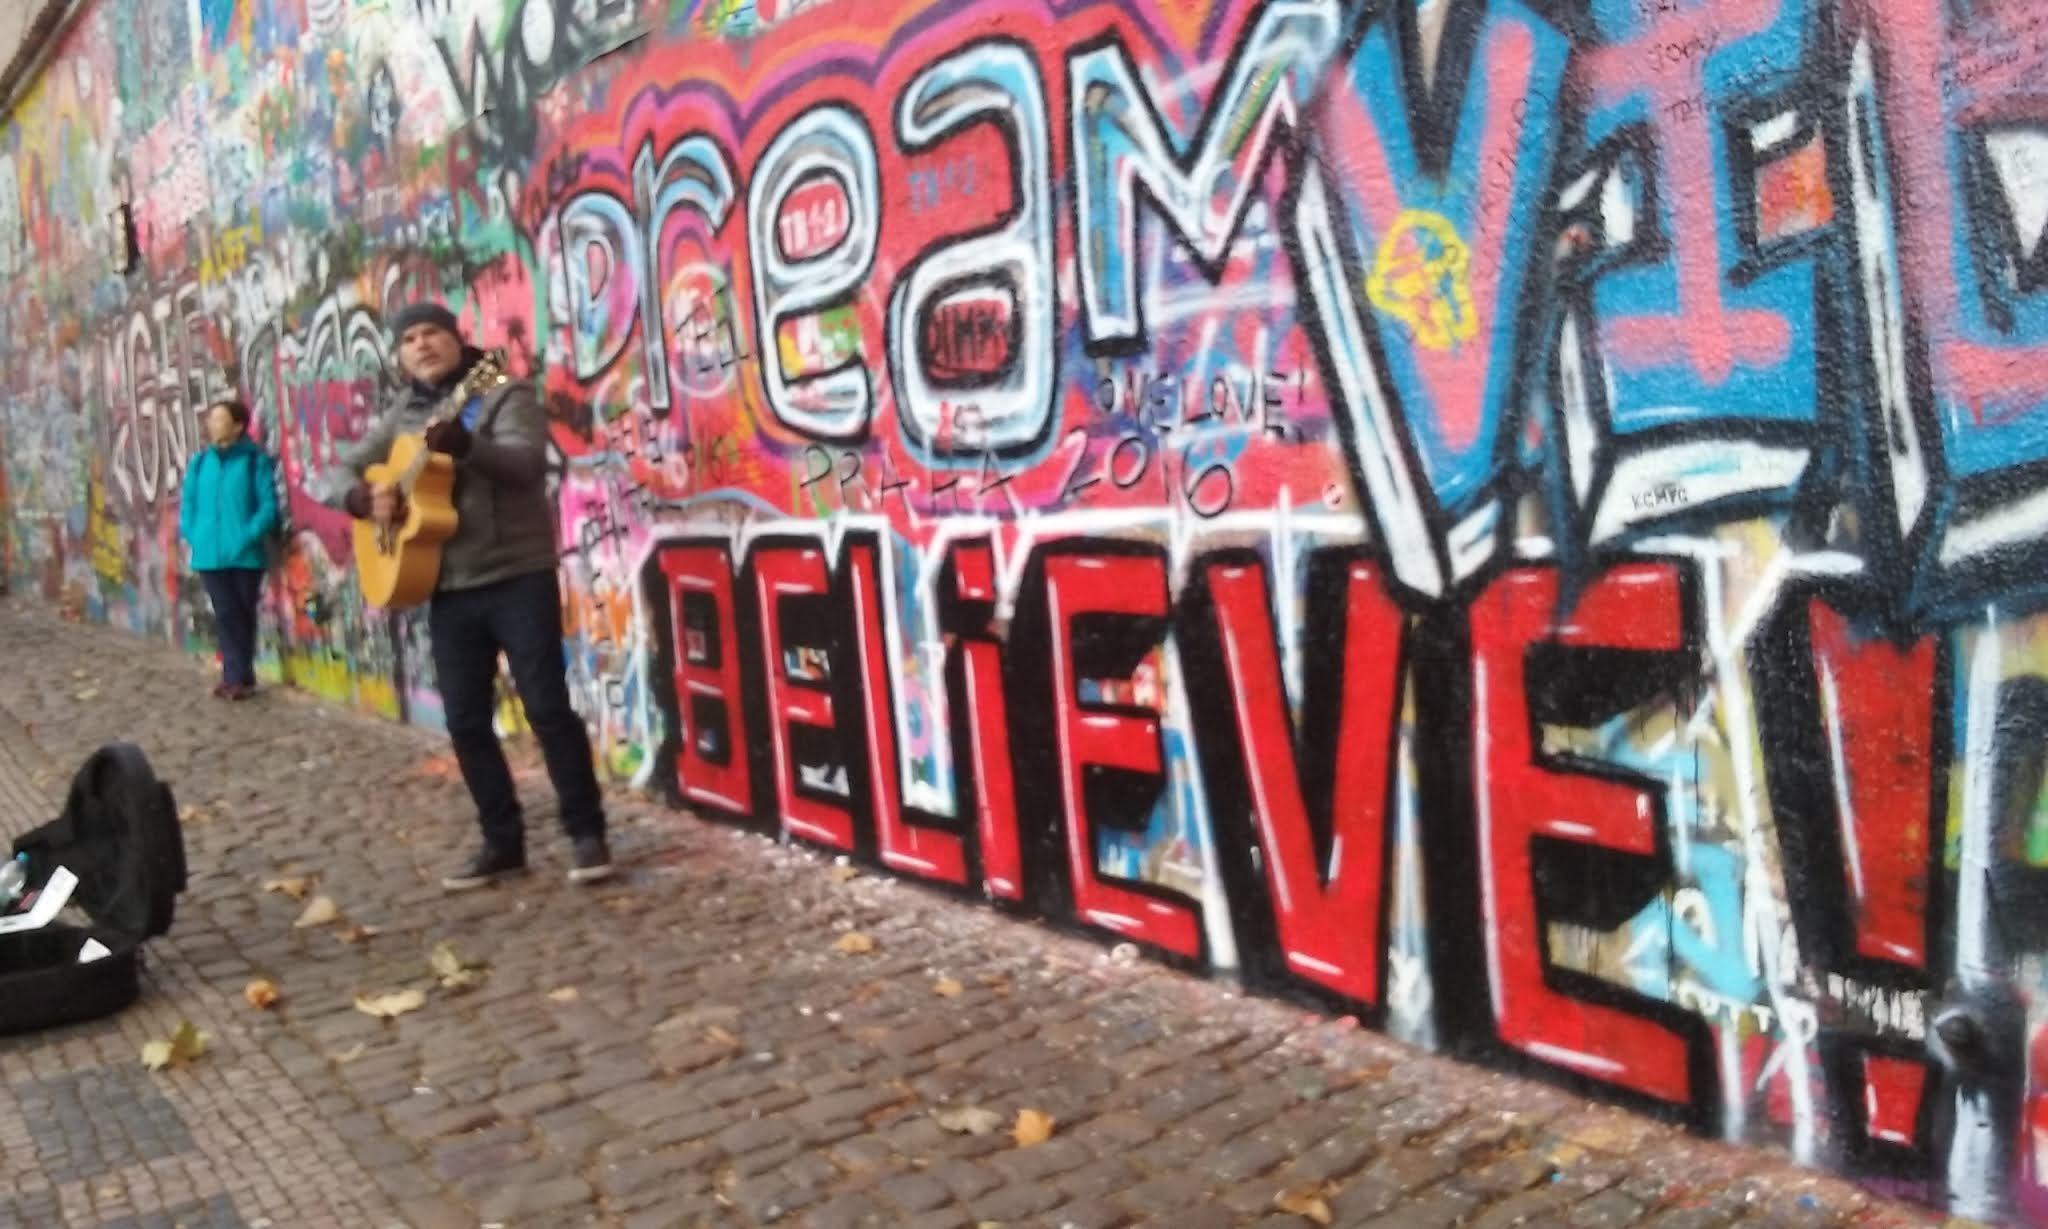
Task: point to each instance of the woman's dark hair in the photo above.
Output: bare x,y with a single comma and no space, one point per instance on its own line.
235,408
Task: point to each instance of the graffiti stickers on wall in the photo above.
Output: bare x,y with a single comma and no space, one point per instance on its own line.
1521,520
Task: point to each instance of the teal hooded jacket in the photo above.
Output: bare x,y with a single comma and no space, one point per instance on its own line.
229,506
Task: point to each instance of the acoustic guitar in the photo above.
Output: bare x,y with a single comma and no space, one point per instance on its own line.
399,564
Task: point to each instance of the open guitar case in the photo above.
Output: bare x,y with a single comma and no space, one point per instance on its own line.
119,834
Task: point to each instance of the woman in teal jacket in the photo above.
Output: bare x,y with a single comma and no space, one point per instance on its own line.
227,514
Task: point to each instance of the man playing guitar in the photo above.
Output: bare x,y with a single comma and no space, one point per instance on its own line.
497,590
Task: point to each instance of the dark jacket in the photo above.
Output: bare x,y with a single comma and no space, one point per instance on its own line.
229,506
506,523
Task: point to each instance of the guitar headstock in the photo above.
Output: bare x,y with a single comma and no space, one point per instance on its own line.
489,372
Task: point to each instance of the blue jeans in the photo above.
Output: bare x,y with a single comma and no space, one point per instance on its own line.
521,617
234,593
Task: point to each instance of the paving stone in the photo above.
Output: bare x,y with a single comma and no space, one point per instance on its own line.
1606,1210
1439,1209
1016,1201
856,1211
915,1192
761,1160
677,1170
753,1134
1207,1216
1544,1205
522,1203
1690,1218
846,1103
1161,1194
1047,1160
1246,1158
1093,1214
770,1198
1503,1176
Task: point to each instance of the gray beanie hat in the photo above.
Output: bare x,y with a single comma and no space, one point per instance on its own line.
423,313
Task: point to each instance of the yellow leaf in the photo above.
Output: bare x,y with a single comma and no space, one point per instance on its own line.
260,993
351,1054
840,874
448,964
947,988
854,943
295,886
90,693
446,961
391,1006
719,1036
1033,1128
320,911
567,994
355,933
186,1044
1309,1202
968,1120
194,815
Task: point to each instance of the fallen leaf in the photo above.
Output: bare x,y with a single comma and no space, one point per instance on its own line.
1309,1202
89,693
349,1055
355,932
854,943
260,993
840,874
567,994
1364,1075
186,1044
194,815
320,911
391,1006
947,988
455,972
719,1036
968,1120
295,886
78,674
697,1017
1032,1128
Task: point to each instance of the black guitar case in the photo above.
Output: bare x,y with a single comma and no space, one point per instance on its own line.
119,834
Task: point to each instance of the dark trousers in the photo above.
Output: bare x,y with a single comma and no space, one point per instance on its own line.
521,617
234,593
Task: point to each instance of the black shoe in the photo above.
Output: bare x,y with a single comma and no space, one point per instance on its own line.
488,866
590,860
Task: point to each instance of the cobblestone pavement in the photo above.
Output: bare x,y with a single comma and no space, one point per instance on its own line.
689,1046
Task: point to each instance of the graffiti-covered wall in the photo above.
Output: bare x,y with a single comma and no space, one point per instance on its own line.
1521,520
